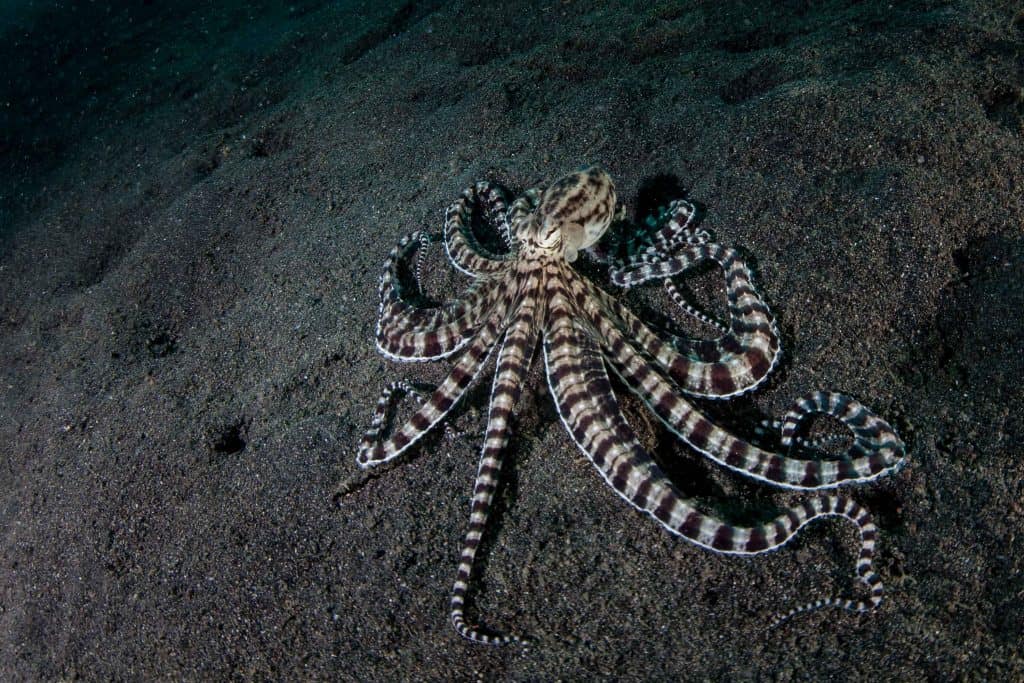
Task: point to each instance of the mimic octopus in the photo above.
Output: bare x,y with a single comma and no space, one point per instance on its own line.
529,290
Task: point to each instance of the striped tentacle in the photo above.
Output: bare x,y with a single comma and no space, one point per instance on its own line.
667,230
494,203
678,228
876,451
448,337
679,300
841,506
768,426
522,207
465,251
406,331
401,302
374,449
744,345
512,367
733,364
388,397
587,406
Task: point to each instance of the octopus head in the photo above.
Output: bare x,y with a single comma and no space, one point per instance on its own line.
576,211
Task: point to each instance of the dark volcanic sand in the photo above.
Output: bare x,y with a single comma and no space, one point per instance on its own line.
194,211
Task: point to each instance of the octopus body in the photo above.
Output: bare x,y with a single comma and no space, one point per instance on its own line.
529,292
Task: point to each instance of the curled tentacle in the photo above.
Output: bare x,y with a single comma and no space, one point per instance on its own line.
589,410
747,349
769,426
876,450
408,330
679,300
674,226
374,449
465,251
522,207
732,364
680,228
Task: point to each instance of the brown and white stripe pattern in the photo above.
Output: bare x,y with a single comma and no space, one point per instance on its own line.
589,410
736,362
510,374
679,228
876,450
679,300
465,251
407,331
531,291
374,450
747,349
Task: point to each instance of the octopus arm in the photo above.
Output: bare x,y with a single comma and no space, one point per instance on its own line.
876,450
512,367
743,358
408,331
374,449
466,253
588,408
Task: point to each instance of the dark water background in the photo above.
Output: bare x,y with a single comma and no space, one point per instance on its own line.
195,200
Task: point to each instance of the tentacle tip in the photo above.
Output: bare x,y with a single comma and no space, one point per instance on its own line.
497,640
511,640
780,619
480,636
855,606
522,642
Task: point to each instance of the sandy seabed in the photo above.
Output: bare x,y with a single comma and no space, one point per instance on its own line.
194,210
